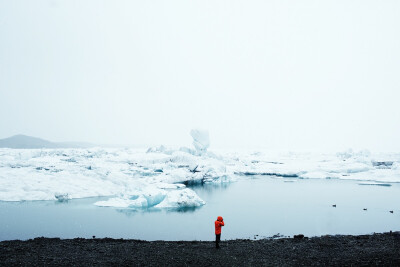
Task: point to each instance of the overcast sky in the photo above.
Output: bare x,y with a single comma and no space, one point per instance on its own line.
271,74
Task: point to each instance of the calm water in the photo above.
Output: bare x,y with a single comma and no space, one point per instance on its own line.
261,206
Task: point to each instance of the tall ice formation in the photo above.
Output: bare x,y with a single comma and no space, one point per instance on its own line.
201,140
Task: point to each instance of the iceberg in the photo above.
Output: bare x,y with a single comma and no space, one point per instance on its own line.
161,177
131,178
181,198
123,202
349,165
201,140
382,164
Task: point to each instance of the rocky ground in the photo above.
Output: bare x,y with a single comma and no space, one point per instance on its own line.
376,249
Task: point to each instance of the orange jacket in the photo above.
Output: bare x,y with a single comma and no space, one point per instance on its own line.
218,223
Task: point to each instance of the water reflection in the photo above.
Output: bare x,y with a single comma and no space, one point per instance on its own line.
64,202
128,212
134,211
209,188
183,209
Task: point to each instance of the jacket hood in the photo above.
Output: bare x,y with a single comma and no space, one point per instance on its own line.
219,218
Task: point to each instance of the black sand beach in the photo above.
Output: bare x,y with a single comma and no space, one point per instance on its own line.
376,249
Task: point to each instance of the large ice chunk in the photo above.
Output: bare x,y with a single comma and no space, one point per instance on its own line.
148,196
201,139
123,202
181,199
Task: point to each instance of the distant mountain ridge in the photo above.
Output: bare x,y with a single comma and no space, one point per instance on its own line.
24,141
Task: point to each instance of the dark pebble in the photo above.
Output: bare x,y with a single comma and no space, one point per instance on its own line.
363,250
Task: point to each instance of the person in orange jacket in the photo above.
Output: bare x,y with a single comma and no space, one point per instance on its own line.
218,224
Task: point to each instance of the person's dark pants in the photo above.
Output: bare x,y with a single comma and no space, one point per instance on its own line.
217,239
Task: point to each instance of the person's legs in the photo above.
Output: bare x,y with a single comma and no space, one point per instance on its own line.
217,239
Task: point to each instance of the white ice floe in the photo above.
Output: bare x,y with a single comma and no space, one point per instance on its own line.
158,177
181,198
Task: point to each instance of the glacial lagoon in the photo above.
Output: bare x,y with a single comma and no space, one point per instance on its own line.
253,207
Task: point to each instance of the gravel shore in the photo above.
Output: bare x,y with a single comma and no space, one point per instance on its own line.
375,249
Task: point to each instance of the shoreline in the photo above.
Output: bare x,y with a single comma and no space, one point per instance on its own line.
373,249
